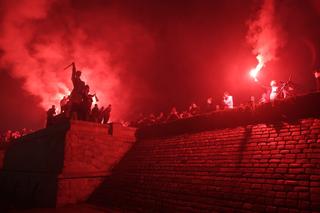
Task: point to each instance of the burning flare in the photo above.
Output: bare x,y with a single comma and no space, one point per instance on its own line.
254,72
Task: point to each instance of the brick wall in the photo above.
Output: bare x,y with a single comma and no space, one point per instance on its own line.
89,155
252,168
60,165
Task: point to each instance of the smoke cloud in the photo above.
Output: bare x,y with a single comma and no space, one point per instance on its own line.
147,56
39,38
265,34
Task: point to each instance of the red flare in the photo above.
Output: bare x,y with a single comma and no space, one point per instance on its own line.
254,72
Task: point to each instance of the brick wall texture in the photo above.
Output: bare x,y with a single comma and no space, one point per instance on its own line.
253,168
60,165
89,155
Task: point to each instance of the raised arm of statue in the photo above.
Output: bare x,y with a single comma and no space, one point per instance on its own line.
74,70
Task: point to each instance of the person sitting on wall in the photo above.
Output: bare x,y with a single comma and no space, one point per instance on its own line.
16,134
50,115
151,119
160,118
173,115
209,106
194,109
185,114
228,101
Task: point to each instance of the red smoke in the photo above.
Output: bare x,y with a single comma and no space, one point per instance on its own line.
254,72
265,35
39,40
146,56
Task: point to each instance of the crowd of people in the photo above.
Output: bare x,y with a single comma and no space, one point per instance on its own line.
11,135
192,110
276,91
78,105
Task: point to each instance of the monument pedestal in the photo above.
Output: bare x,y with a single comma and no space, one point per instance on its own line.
62,164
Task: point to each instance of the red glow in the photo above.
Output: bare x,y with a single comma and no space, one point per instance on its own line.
40,55
254,72
265,36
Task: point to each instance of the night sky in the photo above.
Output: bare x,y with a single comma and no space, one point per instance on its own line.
149,55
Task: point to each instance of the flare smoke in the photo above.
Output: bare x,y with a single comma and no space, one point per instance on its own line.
40,37
265,35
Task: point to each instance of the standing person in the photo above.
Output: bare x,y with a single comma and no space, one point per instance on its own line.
50,115
274,90
317,76
106,114
67,108
87,102
209,106
100,115
252,103
227,100
63,104
95,113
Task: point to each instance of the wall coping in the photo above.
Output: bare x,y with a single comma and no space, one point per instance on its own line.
291,109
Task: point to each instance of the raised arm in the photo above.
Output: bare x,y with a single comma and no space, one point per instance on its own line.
74,70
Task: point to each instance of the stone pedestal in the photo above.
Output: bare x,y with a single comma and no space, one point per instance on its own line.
62,164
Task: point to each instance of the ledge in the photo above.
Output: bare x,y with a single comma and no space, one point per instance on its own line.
291,109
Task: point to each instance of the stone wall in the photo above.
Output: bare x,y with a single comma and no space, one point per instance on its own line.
254,168
61,164
213,163
230,161
89,156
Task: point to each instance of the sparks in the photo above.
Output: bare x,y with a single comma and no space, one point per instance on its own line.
254,72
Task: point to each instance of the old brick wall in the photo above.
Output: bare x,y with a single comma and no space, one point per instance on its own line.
90,154
60,165
271,167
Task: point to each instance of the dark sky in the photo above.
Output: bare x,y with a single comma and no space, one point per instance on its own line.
147,55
